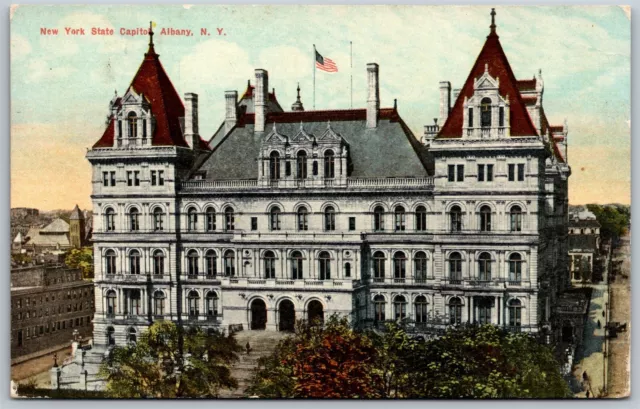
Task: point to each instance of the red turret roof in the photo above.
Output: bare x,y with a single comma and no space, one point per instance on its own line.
493,56
166,105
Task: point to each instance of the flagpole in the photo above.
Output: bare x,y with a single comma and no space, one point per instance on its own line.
351,74
314,77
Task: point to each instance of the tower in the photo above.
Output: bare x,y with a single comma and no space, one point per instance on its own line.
76,228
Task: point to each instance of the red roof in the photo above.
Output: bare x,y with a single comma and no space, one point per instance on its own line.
494,57
320,116
527,85
166,105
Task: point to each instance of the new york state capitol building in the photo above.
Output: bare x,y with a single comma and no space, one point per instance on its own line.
294,214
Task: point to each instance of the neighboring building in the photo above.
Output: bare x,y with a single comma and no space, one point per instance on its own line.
47,303
584,246
297,214
58,236
23,212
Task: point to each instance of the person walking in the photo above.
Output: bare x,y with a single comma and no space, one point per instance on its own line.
248,347
599,325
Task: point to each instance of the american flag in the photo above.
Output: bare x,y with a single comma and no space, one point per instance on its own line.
325,64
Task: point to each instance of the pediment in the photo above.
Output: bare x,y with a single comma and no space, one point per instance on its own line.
330,135
302,136
275,137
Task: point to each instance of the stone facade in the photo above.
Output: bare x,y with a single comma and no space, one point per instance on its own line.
302,214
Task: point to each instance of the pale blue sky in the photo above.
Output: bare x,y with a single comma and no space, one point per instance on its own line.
61,86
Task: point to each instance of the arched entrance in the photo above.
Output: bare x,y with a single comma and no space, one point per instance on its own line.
258,314
287,316
315,313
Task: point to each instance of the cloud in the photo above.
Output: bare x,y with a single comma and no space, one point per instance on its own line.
20,47
42,70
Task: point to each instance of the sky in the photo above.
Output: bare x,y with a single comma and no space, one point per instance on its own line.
61,85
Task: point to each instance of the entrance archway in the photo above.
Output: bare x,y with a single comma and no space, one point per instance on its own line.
315,313
258,315
287,316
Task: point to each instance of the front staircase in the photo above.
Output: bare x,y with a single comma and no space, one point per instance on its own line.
262,343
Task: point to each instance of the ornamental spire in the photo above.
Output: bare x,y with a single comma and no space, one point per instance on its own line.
493,21
151,52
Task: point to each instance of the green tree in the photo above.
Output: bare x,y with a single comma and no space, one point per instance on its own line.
169,361
484,362
614,219
330,361
82,259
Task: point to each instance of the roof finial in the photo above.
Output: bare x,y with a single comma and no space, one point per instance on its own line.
493,21
298,97
395,104
151,34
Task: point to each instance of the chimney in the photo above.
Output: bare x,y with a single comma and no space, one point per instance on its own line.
231,112
373,101
191,120
445,100
260,99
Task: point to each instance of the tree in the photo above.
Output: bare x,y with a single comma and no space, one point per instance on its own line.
169,361
333,361
394,348
614,219
484,362
82,259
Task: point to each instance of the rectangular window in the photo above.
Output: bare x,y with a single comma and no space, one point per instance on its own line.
136,178
489,173
460,173
161,178
501,117
254,223
287,168
452,173
105,179
480,173
512,172
352,223
470,118
520,172
113,178
154,179
129,178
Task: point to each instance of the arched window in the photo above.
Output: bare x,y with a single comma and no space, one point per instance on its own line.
516,218
194,304
455,311
131,336
192,262
211,260
301,165
210,216
111,303
303,219
229,263
400,218
379,307
379,261
132,121
420,265
158,262
269,265
378,218
111,339
158,304
110,219
192,219
515,313
515,267
110,261
421,309
399,308
134,219
421,218
274,165
329,218
485,113
329,164
455,215
485,218
134,262
296,265
347,270
158,219
484,267
229,219
324,266
399,265
212,304
455,268
275,218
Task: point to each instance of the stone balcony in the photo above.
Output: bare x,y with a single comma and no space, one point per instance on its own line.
134,278
284,283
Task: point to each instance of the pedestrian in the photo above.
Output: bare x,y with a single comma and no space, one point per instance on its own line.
599,325
603,313
248,348
587,394
584,376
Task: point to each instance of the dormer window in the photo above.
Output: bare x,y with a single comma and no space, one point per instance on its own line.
501,117
470,117
274,165
132,121
485,113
